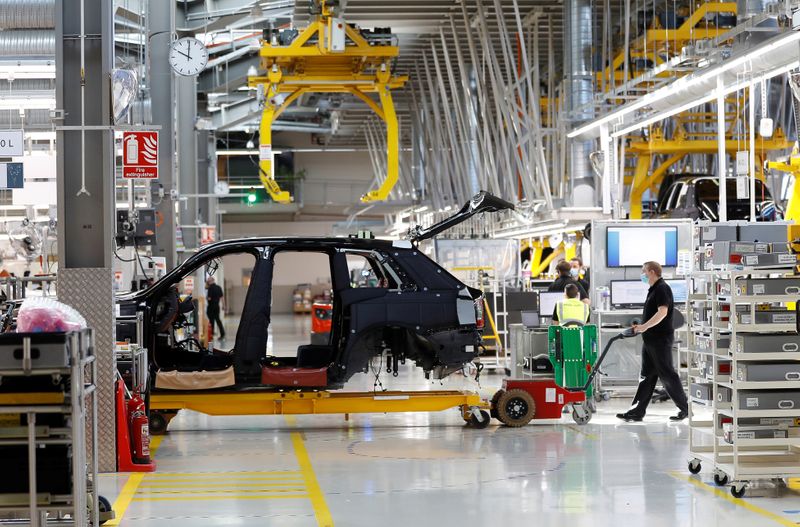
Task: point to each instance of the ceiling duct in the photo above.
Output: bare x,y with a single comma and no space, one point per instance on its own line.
27,14
28,43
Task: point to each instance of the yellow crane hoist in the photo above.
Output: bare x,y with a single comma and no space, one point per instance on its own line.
329,56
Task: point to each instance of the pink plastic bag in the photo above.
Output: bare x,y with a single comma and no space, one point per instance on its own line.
45,315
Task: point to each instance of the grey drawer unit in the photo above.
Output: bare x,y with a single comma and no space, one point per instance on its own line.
37,351
768,371
768,286
769,399
768,317
787,343
702,390
724,394
769,260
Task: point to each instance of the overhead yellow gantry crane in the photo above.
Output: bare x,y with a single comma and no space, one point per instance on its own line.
329,56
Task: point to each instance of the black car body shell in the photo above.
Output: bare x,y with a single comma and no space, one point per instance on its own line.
428,317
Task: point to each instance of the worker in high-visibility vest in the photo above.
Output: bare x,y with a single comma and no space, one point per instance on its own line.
571,309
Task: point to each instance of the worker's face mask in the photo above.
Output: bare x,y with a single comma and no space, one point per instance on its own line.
645,278
574,272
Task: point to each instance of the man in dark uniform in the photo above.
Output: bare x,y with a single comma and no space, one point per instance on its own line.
564,278
214,297
658,336
576,268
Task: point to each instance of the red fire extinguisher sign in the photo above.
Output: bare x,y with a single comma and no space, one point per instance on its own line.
140,155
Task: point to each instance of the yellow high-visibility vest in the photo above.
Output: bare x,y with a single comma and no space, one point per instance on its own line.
572,310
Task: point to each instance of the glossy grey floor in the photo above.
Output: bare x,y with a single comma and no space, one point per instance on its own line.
425,469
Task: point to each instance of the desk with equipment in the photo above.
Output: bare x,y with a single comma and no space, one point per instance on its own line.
618,250
529,339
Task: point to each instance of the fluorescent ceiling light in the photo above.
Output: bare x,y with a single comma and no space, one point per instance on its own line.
660,116
243,152
684,83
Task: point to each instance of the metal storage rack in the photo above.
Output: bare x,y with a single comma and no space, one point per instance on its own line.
73,361
738,460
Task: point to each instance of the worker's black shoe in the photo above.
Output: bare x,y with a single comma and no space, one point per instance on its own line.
680,417
629,418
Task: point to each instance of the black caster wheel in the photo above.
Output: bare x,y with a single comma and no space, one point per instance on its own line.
737,491
694,467
158,423
721,479
484,421
106,513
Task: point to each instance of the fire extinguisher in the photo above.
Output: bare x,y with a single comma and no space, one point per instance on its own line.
140,429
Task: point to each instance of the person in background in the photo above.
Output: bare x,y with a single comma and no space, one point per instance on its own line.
576,270
658,337
571,309
564,278
214,297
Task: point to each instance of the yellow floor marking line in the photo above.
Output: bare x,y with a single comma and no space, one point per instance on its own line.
288,483
321,512
195,475
237,497
736,501
577,430
125,497
292,490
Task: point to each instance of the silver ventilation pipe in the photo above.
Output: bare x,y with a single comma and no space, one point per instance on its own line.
579,83
28,14
27,42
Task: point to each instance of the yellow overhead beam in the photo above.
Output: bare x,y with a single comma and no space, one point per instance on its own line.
338,60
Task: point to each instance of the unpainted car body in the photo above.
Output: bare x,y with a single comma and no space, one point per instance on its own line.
419,312
697,197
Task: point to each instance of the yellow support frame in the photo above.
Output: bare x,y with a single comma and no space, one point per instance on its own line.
792,167
312,403
305,67
677,148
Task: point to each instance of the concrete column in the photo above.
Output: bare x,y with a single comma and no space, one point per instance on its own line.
186,104
160,27
85,167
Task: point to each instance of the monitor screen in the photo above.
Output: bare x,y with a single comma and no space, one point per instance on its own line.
634,292
530,319
633,246
547,303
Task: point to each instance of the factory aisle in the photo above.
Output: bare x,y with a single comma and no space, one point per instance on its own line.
429,470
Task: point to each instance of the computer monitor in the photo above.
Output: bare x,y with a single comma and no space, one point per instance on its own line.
634,292
628,292
680,291
530,319
547,303
633,246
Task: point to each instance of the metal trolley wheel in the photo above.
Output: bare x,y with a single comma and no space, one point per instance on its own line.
515,408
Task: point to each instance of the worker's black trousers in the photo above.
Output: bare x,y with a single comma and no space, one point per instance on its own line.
657,364
212,312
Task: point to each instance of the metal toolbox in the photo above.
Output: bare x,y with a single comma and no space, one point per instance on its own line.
41,351
768,286
769,399
782,343
767,316
730,252
706,368
714,232
768,371
724,394
705,343
701,390
773,231
753,433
